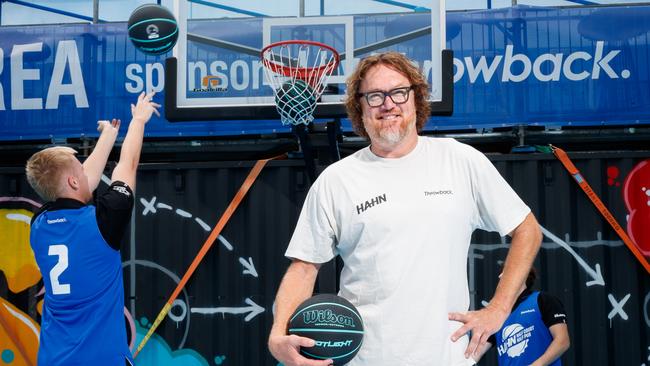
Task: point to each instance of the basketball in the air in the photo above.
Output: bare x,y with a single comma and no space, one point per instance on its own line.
295,101
334,323
153,29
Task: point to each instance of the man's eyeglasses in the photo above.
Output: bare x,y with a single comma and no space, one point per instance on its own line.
397,95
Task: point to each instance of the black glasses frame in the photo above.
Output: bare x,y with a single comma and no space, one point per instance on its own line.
406,89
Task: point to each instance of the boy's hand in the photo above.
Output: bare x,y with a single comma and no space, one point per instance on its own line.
104,126
145,107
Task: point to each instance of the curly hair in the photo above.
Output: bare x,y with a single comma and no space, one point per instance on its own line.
44,170
399,63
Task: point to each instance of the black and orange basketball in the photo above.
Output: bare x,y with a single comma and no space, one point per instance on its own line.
153,29
334,323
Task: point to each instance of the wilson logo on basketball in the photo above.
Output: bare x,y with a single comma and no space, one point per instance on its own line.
210,83
327,316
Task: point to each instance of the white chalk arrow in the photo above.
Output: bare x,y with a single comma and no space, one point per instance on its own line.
249,267
594,273
253,309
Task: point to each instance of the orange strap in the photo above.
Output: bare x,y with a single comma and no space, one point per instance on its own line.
250,179
575,173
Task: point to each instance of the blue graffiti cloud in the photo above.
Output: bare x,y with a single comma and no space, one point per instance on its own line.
157,352
7,356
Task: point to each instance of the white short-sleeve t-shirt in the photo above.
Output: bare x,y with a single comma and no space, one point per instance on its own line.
403,227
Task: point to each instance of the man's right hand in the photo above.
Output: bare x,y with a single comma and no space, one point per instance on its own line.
286,349
145,107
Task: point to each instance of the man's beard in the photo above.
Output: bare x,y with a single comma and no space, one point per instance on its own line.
392,136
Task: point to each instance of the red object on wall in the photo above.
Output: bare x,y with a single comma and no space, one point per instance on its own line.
636,194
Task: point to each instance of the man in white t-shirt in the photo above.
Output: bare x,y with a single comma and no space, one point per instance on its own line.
401,213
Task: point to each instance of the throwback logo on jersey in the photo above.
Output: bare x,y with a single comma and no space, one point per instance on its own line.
441,192
57,221
122,190
362,207
514,340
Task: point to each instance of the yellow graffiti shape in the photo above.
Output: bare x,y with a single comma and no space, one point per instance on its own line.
18,335
16,256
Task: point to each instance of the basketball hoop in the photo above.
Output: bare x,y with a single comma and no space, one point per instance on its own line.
298,72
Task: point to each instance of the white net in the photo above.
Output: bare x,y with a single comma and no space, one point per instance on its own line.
298,71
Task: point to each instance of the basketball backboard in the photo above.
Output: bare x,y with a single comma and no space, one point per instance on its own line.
217,74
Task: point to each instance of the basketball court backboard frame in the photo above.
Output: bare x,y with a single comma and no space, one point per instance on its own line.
180,107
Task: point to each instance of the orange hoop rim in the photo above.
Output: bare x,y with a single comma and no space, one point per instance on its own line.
301,72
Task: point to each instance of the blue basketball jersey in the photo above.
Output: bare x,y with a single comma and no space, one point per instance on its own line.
83,312
524,337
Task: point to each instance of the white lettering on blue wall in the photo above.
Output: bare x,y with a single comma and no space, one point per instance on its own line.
154,78
215,70
574,67
134,82
243,75
19,75
66,57
154,73
239,75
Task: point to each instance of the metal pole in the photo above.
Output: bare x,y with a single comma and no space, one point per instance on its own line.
322,7
302,8
95,11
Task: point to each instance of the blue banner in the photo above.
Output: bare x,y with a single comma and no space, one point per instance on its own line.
550,67
517,66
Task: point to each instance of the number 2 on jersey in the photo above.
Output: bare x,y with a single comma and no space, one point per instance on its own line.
61,251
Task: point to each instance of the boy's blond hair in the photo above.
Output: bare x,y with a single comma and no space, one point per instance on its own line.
44,170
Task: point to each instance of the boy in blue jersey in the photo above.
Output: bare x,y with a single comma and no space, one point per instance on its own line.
76,244
535,333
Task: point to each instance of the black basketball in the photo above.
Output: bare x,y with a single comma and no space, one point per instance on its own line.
295,101
334,323
153,29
